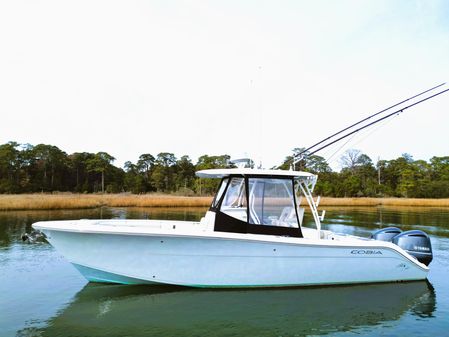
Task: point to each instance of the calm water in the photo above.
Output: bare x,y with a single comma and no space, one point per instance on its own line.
43,295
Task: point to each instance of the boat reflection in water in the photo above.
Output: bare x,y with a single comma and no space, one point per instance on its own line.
141,310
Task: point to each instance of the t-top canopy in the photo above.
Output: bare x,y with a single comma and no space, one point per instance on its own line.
220,173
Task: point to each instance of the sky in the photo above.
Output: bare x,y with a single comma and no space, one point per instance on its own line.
244,78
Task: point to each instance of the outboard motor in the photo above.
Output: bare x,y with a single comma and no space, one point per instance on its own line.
416,243
386,234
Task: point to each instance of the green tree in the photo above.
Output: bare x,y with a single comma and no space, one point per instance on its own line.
52,165
78,163
134,180
163,173
9,163
185,173
26,168
313,163
100,163
205,162
440,168
145,166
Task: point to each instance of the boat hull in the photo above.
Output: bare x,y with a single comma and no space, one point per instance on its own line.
201,261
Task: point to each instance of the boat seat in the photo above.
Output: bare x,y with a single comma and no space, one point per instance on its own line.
286,219
287,213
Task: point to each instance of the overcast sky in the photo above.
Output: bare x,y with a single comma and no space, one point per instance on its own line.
221,77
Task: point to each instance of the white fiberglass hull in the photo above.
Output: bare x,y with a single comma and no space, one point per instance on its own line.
160,253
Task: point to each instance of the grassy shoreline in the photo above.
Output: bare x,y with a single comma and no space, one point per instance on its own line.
80,201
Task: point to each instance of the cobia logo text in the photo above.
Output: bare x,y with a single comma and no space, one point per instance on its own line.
365,252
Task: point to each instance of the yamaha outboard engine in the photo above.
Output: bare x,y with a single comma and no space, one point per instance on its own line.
386,234
416,243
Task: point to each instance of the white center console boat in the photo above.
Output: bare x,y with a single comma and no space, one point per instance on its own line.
252,236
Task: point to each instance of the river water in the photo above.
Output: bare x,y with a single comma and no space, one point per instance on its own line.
41,294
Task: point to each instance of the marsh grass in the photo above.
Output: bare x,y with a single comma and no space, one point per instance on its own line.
384,202
80,201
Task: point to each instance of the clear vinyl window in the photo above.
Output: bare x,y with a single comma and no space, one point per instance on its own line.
220,192
271,202
234,202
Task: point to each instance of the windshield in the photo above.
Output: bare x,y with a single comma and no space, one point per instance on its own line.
271,202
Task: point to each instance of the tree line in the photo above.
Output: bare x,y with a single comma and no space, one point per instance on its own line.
25,168
360,177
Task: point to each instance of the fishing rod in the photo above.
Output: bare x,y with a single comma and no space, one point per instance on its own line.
364,120
397,112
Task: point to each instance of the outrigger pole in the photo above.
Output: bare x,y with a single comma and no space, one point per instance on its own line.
306,152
